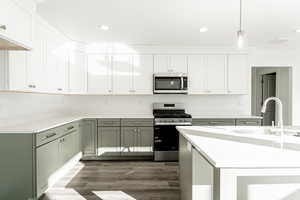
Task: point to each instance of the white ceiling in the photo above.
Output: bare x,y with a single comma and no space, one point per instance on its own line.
175,22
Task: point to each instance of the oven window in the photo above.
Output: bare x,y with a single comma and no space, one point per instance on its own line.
166,138
167,83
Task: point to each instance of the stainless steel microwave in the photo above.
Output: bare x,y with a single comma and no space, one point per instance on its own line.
170,83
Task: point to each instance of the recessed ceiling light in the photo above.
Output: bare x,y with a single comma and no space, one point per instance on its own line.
297,30
104,27
203,29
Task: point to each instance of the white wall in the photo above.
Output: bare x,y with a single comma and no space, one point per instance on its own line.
195,105
18,107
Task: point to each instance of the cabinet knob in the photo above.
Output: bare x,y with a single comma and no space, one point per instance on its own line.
59,89
3,27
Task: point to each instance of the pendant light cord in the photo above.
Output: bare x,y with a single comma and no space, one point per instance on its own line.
240,15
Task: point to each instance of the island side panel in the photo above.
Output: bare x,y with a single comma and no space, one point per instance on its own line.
203,177
16,167
185,167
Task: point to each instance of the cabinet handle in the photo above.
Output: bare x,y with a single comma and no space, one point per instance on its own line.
70,128
30,86
59,89
50,135
3,27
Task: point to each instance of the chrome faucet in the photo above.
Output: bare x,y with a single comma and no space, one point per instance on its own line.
279,112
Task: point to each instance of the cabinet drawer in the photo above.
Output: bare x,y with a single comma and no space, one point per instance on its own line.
137,122
47,136
69,128
248,122
109,122
213,122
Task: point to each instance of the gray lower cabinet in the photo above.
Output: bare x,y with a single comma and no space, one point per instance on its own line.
227,122
214,122
31,160
48,160
51,156
137,141
248,122
89,136
109,141
124,138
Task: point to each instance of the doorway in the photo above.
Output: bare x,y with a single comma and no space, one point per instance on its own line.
272,81
268,88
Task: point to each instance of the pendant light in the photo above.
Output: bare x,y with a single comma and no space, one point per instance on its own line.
241,36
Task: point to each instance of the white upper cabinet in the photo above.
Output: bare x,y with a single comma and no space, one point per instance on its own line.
122,74
77,72
36,69
56,61
238,74
99,74
13,70
170,64
207,74
197,74
215,67
16,23
143,74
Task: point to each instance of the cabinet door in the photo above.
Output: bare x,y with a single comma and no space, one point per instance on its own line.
170,64
56,62
145,141
77,72
18,70
215,67
89,134
238,74
128,140
178,64
197,74
99,74
143,74
37,76
47,161
17,22
122,74
161,63
67,147
5,16
109,141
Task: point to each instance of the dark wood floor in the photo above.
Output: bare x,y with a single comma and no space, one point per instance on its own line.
118,181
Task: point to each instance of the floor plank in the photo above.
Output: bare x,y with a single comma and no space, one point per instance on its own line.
99,180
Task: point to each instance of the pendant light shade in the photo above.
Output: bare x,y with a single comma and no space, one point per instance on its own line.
241,39
241,35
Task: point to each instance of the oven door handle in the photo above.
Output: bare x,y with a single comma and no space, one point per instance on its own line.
172,124
182,85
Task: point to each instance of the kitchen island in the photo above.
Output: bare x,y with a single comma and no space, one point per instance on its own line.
238,163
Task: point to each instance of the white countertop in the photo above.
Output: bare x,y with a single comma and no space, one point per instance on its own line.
226,117
44,123
226,153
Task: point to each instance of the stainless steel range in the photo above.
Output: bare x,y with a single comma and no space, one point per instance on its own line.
166,137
